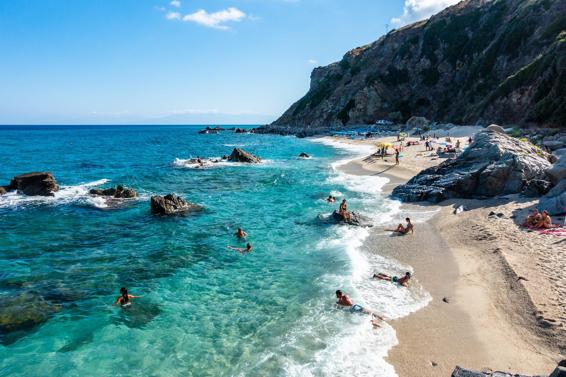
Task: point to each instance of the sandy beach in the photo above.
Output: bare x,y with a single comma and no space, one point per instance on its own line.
499,292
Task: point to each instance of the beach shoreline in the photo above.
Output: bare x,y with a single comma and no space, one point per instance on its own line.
482,315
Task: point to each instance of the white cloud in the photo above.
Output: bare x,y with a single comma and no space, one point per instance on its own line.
312,61
217,19
175,3
173,16
415,10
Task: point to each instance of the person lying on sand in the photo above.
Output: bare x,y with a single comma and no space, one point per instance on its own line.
241,250
345,300
404,281
532,219
240,233
124,300
405,229
331,199
545,221
343,210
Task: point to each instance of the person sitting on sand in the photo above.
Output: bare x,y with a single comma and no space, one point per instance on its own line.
241,250
124,300
343,210
532,219
404,281
331,199
240,233
405,229
545,221
345,300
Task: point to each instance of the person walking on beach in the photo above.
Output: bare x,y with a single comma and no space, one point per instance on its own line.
396,156
124,300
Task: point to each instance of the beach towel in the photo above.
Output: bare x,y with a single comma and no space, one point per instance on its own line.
559,231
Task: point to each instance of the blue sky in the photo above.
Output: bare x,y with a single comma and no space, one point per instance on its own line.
180,61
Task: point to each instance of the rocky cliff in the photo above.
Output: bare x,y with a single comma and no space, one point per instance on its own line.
484,61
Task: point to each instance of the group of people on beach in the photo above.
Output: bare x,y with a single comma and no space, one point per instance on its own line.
538,220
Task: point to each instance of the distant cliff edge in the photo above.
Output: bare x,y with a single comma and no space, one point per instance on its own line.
487,61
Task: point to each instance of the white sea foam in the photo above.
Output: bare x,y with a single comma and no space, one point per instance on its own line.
359,349
213,162
76,194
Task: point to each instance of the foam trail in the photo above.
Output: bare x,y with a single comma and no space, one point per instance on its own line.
65,195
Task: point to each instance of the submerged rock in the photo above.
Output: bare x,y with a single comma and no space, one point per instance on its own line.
34,184
119,192
355,219
24,312
240,155
494,164
171,204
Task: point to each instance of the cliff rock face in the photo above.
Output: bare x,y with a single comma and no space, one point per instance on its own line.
489,61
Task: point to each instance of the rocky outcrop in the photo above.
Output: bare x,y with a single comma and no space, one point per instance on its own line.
24,311
495,128
461,372
477,61
355,219
34,184
304,155
494,164
120,192
171,204
240,155
2,190
555,200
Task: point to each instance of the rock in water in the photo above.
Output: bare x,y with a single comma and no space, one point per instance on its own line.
23,312
355,219
171,204
2,190
461,372
240,155
304,155
120,192
35,184
494,164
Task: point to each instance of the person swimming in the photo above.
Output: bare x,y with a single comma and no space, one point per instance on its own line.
247,249
405,229
240,233
125,299
343,299
330,199
404,281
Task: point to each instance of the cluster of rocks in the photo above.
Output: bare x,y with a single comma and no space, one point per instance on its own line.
555,200
32,184
171,204
240,155
559,371
548,138
494,164
354,219
120,192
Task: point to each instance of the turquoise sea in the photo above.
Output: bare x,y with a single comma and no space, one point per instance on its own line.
205,310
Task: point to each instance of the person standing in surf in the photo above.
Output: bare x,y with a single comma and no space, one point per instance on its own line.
125,299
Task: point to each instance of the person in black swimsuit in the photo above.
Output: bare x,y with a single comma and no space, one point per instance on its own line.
124,300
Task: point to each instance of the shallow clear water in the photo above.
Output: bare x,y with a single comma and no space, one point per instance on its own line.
205,310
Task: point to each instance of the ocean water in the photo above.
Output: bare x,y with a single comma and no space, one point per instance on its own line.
205,310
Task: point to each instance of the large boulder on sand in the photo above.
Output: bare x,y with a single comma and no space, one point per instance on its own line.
417,122
494,164
120,192
558,170
171,204
496,128
355,219
240,155
555,200
34,184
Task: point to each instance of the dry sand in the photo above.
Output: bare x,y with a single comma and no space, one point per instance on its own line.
499,292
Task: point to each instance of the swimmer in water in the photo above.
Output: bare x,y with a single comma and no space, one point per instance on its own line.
240,233
330,199
343,299
404,281
243,251
124,300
